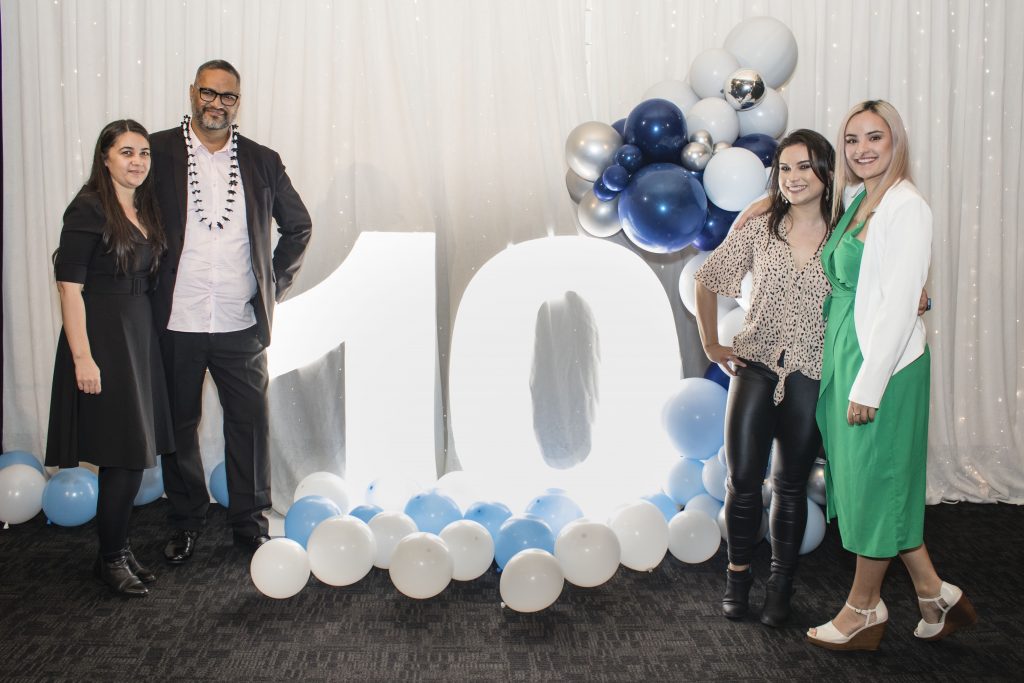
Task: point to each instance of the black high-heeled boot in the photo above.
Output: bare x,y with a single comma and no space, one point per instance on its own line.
145,574
737,593
777,595
113,570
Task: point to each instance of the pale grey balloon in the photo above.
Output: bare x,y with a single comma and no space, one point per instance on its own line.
703,137
600,219
766,494
590,147
695,156
744,89
719,146
816,482
577,186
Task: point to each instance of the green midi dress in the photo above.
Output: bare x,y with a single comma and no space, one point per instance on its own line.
874,473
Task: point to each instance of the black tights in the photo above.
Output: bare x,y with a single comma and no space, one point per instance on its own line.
118,488
752,422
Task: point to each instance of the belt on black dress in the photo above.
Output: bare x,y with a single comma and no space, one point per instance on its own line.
135,286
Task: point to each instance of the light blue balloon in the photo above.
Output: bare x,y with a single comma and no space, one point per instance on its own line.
721,455
814,532
21,458
219,484
70,496
684,480
366,512
705,503
432,511
305,514
490,515
713,477
520,532
695,417
668,507
557,509
152,486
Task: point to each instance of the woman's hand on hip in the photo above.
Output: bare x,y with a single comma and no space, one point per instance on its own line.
726,358
857,414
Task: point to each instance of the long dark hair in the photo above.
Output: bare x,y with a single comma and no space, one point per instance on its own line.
119,235
823,161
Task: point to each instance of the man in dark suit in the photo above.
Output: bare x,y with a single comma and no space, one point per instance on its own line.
215,299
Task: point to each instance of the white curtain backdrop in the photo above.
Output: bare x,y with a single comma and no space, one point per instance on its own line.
449,117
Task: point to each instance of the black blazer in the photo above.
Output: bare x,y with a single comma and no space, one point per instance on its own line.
268,194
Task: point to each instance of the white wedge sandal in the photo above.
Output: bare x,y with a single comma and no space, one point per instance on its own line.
957,612
866,637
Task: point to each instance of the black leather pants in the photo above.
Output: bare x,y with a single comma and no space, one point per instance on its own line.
752,423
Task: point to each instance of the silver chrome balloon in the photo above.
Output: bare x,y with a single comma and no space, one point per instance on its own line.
590,147
744,89
600,219
695,156
816,482
577,186
719,146
703,137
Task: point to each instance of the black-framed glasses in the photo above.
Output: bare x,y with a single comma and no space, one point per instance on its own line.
228,99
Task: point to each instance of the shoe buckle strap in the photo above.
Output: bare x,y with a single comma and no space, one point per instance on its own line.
866,613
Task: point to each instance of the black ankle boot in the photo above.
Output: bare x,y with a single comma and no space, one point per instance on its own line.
113,570
777,595
737,593
145,574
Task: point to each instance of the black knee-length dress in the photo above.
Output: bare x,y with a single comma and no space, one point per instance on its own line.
129,422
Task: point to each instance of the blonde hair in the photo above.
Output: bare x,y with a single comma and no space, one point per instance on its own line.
899,166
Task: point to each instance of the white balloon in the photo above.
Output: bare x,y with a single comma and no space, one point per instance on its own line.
729,325
280,568
746,289
733,178
713,477
326,484
693,537
391,491
706,504
709,71
465,488
21,493
686,286
643,534
589,148
471,547
531,581
769,117
341,550
714,115
576,185
678,93
814,532
589,552
421,566
389,527
766,45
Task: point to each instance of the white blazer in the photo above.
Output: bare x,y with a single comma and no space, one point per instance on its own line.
893,270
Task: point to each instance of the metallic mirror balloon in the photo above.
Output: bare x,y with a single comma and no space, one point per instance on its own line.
816,482
577,186
703,137
695,156
590,147
600,219
744,89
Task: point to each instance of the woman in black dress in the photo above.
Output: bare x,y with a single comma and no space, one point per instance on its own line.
109,403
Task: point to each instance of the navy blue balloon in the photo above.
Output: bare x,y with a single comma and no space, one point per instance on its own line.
630,158
620,126
762,145
603,192
716,374
615,178
663,208
716,227
658,128
699,175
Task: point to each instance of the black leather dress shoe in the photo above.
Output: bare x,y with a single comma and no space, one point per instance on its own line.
250,543
145,574
114,572
180,546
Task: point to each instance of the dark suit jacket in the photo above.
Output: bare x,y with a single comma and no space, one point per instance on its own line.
268,194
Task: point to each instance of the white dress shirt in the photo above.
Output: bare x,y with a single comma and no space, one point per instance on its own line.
215,283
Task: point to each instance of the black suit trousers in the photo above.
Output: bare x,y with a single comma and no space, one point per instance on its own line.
237,361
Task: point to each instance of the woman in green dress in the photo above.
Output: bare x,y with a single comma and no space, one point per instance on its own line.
873,405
